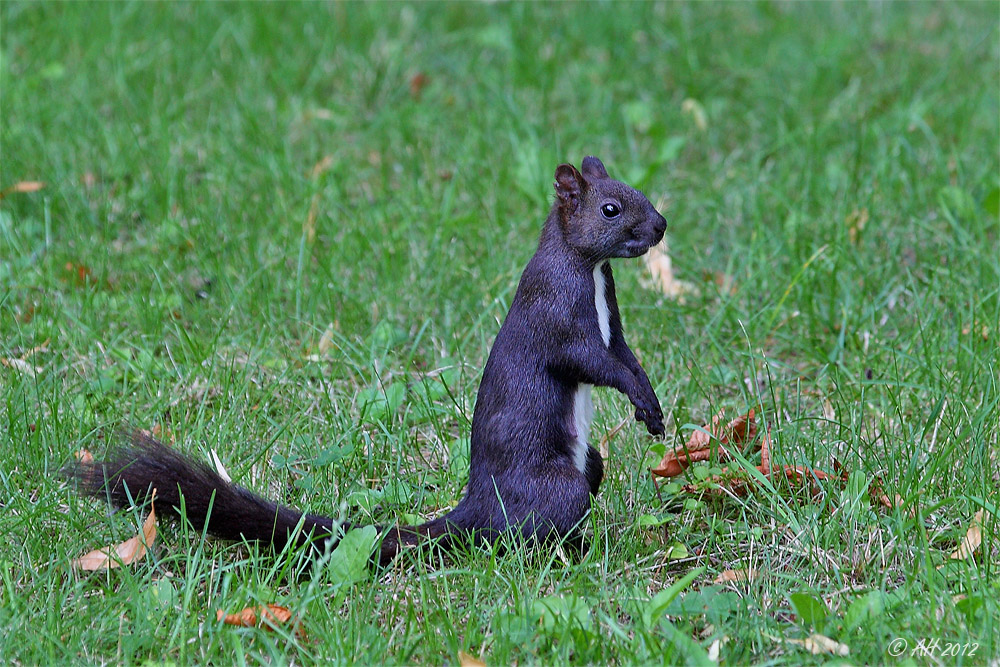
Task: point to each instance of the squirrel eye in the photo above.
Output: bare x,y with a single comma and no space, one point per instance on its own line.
610,210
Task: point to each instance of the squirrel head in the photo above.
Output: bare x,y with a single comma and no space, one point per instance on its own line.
603,218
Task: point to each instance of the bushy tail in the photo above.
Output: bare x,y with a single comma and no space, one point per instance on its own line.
141,463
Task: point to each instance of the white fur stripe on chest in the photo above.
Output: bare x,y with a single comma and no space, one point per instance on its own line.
583,403
601,304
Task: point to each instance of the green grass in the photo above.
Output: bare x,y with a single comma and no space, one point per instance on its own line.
168,275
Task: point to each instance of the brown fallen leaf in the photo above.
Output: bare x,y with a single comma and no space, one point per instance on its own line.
84,456
268,616
466,660
309,226
79,273
856,221
765,450
21,366
417,84
738,484
698,447
897,501
802,473
23,186
743,575
326,340
674,463
972,539
37,349
162,433
321,167
878,496
130,551
818,644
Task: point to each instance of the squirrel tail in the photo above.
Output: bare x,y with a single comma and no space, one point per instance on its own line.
141,463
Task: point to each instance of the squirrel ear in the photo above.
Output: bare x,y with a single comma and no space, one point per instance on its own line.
569,184
594,168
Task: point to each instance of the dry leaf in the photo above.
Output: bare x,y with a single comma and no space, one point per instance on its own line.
698,447
765,451
855,222
268,616
737,432
318,114
219,468
309,226
22,366
818,644
662,272
37,349
322,166
973,538
725,282
84,456
803,473
466,660
737,484
326,341
80,273
606,439
417,83
715,648
878,495
162,433
742,575
130,551
694,108
23,186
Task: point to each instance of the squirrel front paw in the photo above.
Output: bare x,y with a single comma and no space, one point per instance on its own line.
652,417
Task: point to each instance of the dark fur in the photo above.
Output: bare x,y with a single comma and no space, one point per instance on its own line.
522,476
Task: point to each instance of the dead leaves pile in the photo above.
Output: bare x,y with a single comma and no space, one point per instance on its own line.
699,446
717,440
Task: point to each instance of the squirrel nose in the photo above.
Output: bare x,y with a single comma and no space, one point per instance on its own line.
659,224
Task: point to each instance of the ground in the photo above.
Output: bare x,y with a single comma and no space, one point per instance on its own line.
288,234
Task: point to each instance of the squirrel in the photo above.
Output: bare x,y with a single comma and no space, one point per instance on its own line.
532,472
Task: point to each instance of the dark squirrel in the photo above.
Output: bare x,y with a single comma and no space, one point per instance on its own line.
531,470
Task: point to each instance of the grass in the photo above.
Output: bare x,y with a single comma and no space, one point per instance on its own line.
225,183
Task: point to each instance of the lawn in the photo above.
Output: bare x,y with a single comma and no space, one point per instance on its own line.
288,234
